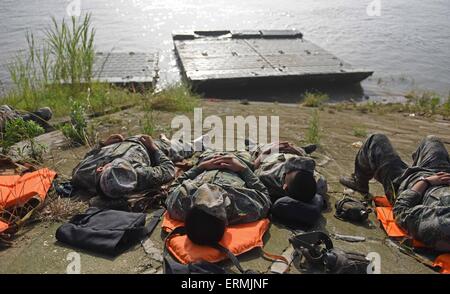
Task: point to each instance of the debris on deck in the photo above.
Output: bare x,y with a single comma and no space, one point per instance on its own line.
218,58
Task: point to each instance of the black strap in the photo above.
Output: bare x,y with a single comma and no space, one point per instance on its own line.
230,255
177,231
156,217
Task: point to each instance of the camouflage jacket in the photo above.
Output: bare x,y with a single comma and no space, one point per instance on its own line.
426,217
274,166
153,170
245,197
7,114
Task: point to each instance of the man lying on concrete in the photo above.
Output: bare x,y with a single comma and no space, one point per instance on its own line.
420,194
41,116
122,167
220,190
296,189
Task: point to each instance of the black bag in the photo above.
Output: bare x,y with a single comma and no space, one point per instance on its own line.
106,231
202,267
317,248
349,209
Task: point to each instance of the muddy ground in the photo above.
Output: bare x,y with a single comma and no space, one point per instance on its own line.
36,250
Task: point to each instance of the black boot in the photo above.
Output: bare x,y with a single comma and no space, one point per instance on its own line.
310,148
355,183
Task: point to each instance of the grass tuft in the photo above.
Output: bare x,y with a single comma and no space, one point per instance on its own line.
359,132
177,98
148,124
60,69
17,130
313,133
315,99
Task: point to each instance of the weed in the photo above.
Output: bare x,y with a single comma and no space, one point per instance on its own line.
311,99
148,124
60,68
76,130
313,133
173,99
359,132
17,130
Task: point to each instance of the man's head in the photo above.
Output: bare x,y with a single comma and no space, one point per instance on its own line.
300,185
203,228
206,221
117,178
299,182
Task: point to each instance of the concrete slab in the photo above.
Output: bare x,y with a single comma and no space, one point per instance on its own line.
126,69
218,58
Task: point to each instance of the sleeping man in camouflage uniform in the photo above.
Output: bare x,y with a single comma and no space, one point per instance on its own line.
220,190
41,116
122,167
296,189
420,194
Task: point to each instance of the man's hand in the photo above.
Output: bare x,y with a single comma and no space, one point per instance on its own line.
115,138
441,178
212,163
223,162
148,142
232,163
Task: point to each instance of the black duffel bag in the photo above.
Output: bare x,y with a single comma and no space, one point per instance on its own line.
106,231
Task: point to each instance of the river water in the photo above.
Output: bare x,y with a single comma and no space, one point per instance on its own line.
406,42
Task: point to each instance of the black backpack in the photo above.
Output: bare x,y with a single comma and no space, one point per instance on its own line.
349,209
318,250
107,231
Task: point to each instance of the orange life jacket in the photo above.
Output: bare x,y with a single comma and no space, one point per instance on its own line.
238,239
18,189
385,214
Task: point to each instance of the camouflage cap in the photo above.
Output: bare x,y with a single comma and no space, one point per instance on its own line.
300,163
212,200
118,178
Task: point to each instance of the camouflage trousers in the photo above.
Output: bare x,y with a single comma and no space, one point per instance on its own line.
425,217
41,116
378,159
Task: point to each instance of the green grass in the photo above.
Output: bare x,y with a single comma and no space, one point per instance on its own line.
58,69
359,132
71,46
177,98
314,99
17,130
99,97
148,124
76,130
446,108
421,104
425,102
313,132
65,56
